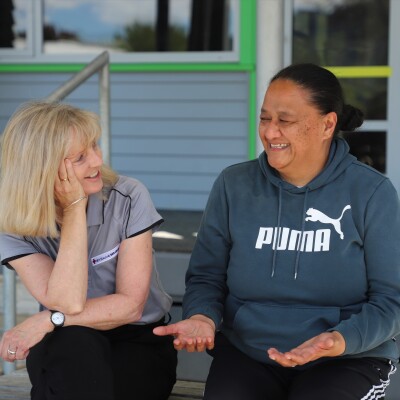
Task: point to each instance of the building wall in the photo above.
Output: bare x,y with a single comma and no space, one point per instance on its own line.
173,131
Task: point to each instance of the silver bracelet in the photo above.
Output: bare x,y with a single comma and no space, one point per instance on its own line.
76,201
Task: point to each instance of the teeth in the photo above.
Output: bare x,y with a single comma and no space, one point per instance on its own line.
94,175
279,146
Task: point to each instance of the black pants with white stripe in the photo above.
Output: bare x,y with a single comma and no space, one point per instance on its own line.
235,376
78,363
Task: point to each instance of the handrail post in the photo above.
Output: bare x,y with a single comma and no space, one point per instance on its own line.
9,302
101,65
104,111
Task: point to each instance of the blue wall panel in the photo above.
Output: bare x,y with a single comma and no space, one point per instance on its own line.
173,131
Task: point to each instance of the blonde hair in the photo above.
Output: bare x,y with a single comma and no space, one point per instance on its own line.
35,141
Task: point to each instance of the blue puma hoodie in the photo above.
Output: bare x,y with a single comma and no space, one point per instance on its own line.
275,265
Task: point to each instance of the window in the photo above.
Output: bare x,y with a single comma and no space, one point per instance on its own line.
368,147
15,27
341,32
131,30
353,35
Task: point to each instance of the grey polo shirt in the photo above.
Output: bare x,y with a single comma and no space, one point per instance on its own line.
127,212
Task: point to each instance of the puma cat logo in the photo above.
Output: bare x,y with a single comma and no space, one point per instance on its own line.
316,215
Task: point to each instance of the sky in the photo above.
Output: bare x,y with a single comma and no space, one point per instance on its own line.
99,19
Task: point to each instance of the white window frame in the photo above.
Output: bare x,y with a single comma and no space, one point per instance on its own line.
29,51
393,115
392,123
35,54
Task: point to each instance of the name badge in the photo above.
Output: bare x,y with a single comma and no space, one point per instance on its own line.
108,255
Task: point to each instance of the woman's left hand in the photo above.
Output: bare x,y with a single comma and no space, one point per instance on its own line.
67,187
16,342
327,344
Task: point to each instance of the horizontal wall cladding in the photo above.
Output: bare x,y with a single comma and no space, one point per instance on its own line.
173,131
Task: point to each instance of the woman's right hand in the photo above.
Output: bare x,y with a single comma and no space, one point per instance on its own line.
67,187
194,334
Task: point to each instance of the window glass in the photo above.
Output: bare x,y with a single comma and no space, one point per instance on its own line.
368,147
349,33
367,94
14,24
341,32
74,26
324,33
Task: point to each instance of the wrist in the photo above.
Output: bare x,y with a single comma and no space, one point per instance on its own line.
82,200
57,319
204,318
340,342
46,321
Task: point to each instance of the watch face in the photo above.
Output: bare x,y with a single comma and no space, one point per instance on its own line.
57,318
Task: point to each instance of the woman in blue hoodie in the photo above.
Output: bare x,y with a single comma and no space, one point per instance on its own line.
294,282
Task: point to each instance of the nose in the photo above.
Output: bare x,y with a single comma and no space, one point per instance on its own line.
269,129
95,157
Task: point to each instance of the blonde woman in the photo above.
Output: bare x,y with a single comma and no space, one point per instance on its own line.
80,238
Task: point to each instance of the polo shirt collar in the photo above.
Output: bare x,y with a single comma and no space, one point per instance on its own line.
95,210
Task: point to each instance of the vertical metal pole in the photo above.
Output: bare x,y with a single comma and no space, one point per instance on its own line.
393,102
9,301
288,12
104,111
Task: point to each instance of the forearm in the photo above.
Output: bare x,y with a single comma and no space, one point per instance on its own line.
67,285
108,312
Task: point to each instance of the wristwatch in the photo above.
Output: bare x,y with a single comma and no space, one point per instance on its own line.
57,318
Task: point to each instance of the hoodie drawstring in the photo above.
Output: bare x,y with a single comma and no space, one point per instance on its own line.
278,233
278,226
303,222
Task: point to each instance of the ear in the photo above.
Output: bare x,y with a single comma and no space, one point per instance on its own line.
330,121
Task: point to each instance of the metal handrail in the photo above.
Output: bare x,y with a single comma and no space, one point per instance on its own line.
100,64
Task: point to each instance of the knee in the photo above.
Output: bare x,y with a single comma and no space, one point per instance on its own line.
78,341
74,362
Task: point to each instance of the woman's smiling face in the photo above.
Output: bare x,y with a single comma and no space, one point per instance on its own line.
87,162
294,133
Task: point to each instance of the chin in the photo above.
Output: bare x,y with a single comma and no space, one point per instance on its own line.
276,165
92,189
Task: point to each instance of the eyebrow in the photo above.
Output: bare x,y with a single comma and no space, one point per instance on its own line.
281,113
69,156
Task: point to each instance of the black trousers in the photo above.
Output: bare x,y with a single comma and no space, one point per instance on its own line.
126,363
235,376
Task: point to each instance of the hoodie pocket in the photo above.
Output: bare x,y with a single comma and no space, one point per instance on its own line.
263,326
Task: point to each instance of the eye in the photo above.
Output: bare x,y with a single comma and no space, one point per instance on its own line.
80,157
284,121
